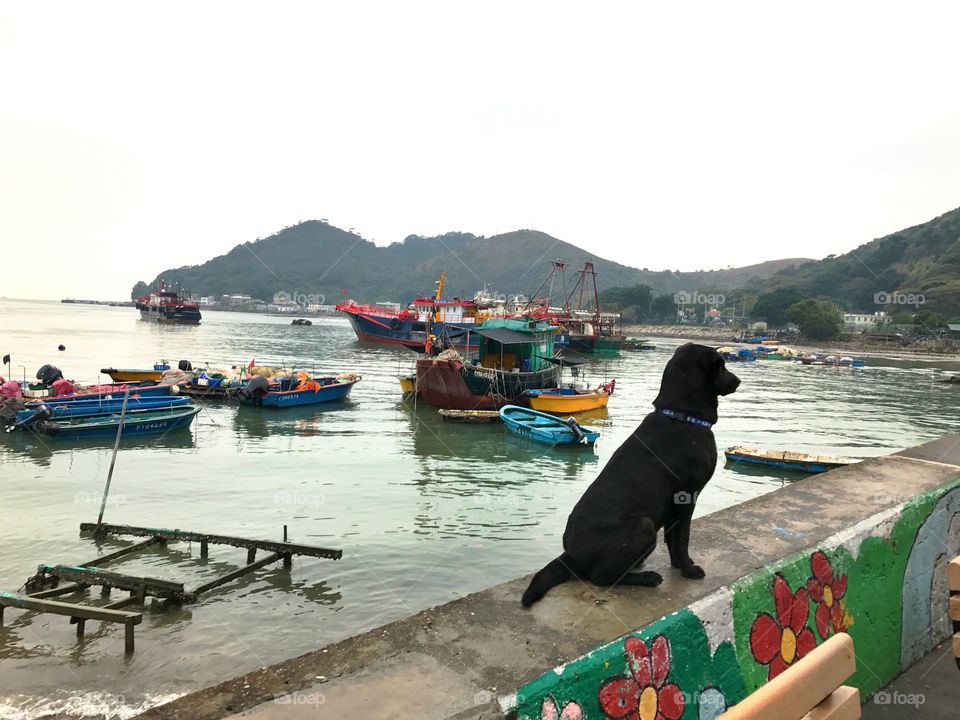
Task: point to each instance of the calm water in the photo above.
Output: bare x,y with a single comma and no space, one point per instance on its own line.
425,511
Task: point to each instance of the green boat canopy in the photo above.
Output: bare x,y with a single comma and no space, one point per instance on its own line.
506,336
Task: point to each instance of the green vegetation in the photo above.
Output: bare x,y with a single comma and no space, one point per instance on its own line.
317,258
817,319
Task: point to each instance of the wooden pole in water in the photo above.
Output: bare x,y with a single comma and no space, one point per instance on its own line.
113,460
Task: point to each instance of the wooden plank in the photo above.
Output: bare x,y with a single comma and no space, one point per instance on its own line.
104,559
268,545
953,574
842,704
64,589
86,612
96,576
956,645
803,686
955,607
224,579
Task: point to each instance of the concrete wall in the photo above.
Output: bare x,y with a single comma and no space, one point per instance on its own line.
882,580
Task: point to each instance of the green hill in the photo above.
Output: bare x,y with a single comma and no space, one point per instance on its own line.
317,258
921,260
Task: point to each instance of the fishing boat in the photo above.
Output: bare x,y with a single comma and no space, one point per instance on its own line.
90,408
149,422
128,375
296,391
786,459
570,399
166,306
775,352
735,354
412,326
546,428
513,356
638,344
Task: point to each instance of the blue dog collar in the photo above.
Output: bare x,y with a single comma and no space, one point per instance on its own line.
683,417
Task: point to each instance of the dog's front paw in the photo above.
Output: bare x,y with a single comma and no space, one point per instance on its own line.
694,572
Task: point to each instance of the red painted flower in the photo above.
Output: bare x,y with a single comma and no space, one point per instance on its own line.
644,694
827,590
781,641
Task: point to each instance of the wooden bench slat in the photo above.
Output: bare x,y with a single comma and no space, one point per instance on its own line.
953,574
956,645
955,608
805,684
842,704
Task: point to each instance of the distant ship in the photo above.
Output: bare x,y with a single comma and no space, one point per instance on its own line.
166,306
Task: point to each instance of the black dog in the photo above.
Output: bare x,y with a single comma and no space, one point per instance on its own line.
651,482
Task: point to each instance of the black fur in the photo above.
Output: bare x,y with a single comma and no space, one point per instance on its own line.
651,482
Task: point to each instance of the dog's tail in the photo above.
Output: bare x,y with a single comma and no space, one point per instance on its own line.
557,571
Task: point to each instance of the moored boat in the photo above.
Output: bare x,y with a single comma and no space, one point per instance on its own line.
150,422
546,428
296,391
447,320
166,306
786,459
470,416
514,356
130,375
638,344
567,400
90,408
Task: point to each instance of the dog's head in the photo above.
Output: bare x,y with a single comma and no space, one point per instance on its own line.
692,381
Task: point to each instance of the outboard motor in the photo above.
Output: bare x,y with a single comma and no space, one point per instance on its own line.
49,374
572,423
185,365
255,390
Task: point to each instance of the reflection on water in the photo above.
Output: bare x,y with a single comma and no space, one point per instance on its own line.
424,510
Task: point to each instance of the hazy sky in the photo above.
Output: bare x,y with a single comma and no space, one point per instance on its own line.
137,137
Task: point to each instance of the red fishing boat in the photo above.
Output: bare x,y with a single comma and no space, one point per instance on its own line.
167,306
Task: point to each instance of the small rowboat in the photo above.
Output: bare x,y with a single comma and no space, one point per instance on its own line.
408,384
130,375
787,460
638,344
149,422
563,401
470,416
89,408
546,428
292,392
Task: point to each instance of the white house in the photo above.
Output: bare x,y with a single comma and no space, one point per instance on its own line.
857,322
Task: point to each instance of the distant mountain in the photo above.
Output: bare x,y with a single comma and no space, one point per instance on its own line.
317,258
892,272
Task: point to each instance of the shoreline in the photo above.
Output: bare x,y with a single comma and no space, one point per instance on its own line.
916,351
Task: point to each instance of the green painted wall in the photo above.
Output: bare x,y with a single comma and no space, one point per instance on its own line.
854,582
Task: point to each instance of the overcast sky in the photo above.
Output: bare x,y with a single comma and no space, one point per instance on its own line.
664,135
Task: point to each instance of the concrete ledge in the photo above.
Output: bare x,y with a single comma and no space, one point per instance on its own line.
488,648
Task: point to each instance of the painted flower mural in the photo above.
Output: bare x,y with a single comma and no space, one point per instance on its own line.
827,590
644,694
550,711
780,641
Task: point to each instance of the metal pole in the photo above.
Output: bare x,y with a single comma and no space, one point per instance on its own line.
113,460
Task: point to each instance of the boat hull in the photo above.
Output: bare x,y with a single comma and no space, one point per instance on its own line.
566,404
451,385
799,462
92,408
171,315
137,424
132,376
405,333
297,398
544,428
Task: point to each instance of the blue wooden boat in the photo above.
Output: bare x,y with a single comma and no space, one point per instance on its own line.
148,422
88,408
109,391
546,428
786,460
293,392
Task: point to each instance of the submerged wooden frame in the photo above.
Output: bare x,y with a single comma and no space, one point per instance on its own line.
46,583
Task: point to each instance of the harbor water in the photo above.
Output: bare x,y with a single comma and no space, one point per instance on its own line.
425,511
